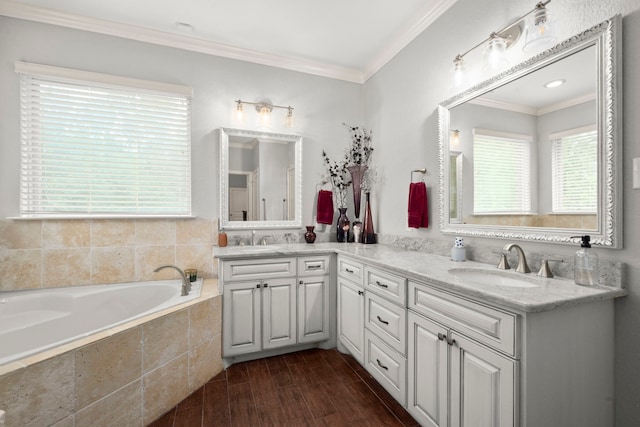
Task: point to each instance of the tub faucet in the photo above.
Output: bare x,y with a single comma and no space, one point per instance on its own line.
186,284
522,260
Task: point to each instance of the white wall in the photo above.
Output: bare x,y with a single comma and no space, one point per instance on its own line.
400,104
321,104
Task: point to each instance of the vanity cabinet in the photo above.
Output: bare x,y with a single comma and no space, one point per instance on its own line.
454,380
271,303
350,310
313,298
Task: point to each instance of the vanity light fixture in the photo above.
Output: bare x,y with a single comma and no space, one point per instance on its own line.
264,110
455,138
538,34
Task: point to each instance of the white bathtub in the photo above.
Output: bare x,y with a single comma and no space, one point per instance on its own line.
36,320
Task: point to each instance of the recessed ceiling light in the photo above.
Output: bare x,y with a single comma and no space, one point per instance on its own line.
183,27
554,83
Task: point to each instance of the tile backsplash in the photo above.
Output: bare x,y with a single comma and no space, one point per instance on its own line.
53,253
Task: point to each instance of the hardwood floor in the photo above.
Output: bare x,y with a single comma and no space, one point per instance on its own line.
308,388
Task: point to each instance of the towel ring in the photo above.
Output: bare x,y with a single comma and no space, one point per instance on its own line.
423,171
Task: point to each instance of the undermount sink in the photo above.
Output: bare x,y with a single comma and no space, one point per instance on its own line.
495,278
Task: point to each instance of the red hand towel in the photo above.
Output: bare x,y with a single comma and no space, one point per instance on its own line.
418,215
324,212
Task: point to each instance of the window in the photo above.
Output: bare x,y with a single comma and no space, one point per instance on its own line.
501,172
102,146
574,167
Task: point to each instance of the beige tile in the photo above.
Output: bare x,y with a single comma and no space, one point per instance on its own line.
590,222
113,265
113,232
105,366
198,231
165,387
66,267
20,269
206,321
155,232
148,258
205,362
66,422
164,339
40,395
66,234
20,234
121,408
196,256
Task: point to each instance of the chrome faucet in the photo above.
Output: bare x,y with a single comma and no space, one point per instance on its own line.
253,237
186,284
522,260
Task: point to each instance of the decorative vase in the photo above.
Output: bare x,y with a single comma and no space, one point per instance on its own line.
368,235
343,226
310,235
357,173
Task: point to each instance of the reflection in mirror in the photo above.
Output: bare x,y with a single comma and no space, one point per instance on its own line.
455,185
542,148
260,182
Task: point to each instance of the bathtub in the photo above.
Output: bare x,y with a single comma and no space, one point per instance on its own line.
36,320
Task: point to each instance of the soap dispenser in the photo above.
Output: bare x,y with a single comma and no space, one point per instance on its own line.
586,264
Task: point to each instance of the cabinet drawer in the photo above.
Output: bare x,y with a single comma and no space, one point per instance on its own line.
314,265
350,269
387,320
386,284
252,269
493,327
387,366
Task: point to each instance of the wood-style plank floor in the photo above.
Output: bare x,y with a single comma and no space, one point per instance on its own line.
308,388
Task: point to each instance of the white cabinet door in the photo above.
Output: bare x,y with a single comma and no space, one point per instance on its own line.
278,313
241,318
351,318
482,386
428,357
313,309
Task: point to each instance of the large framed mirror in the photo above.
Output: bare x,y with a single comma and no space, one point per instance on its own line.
260,180
538,163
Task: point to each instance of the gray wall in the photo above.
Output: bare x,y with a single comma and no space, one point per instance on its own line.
321,104
400,104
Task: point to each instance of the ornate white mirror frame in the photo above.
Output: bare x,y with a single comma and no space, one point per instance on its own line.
608,231
227,136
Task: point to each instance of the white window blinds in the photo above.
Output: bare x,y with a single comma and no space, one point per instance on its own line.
574,159
98,145
501,172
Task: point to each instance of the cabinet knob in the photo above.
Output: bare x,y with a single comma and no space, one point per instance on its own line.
301,282
258,286
381,365
450,341
266,285
360,292
382,321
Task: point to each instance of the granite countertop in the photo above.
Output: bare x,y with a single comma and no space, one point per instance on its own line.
434,269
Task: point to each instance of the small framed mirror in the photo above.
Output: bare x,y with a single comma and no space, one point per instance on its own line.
540,163
260,180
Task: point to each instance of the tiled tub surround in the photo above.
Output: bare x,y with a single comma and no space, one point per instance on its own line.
421,266
52,253
127,375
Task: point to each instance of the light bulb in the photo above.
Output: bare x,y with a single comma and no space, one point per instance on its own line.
494,53
238,115
458,73
289,122
264,116
539,33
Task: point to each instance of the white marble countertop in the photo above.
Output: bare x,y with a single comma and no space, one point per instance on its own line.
434,269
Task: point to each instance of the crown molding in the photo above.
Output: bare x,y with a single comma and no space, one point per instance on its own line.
391,49
47,16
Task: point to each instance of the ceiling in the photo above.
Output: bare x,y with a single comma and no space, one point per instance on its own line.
348,40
